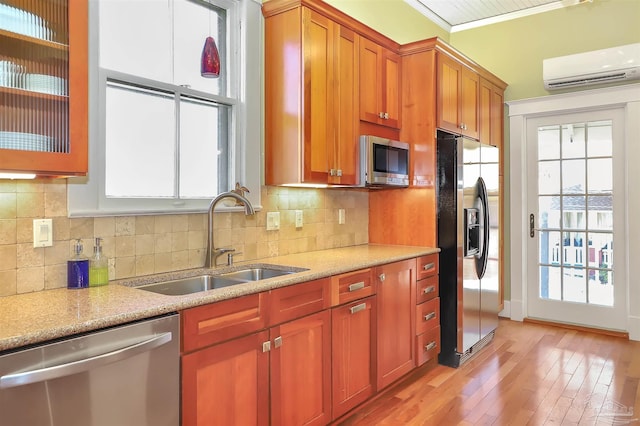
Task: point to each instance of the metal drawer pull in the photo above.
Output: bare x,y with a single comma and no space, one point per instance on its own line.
382,277
429,316
358,308
430,289
356,286
277,342
429,266
67,369
266,346
430,346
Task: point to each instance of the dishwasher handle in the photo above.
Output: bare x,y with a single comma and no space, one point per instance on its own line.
67,369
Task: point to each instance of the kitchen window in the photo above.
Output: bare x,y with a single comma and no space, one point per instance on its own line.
163,138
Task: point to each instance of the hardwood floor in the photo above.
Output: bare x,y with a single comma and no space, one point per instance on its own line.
531,374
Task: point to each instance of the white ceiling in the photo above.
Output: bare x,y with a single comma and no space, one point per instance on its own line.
457,15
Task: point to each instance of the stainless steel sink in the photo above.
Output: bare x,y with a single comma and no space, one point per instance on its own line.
189,285
212,281
256,274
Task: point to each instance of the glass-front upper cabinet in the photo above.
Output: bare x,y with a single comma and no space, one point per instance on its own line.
43,87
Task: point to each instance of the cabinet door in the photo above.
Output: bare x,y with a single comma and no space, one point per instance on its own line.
395,320
470,84
448,82
491,112
352,347
485,111
391,94
301,371
318,115
227,384
43,89
497,119
344,169
380,73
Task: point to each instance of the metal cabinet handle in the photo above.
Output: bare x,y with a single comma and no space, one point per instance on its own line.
381,277
277,342
356,286
266,346
381,114
62,370
429,266
429,316
430,346
430,289
339,172
358,308
386,115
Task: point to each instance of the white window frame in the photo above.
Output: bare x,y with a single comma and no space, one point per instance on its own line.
86,195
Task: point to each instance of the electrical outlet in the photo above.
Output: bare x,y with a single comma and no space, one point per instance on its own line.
341,217
273,221
42,232
299,220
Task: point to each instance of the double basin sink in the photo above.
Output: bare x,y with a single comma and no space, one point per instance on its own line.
204,282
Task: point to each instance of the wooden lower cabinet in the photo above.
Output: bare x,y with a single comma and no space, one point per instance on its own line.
226,384
353,332
301,371
396,299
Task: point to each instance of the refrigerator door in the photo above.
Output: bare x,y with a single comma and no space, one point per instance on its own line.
470,281
489,303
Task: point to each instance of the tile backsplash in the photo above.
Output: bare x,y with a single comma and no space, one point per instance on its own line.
142,245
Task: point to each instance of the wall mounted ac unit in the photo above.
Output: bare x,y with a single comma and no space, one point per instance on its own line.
599,66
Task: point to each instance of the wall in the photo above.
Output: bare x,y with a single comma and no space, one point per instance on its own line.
141,245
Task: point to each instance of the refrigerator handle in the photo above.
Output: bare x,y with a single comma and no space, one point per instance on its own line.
481,260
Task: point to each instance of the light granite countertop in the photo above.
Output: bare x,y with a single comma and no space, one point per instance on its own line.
32,318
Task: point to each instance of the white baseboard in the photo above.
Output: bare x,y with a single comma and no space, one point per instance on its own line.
506,312
634,328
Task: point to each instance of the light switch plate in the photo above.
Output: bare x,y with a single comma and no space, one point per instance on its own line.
273,221
299,221
42,232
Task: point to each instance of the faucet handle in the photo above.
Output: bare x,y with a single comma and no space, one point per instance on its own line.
230,255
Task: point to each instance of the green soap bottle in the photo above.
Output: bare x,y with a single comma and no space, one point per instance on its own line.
98,266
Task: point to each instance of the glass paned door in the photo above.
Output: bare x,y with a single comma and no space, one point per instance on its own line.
574,182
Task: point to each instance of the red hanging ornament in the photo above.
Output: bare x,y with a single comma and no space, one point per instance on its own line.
210,62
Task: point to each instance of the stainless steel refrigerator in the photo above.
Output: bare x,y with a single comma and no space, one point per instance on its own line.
468,237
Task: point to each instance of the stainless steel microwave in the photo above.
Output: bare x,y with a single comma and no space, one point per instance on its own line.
383,162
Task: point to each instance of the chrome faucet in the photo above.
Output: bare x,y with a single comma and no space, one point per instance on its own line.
212,252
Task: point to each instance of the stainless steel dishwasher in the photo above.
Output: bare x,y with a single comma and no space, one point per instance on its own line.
126,376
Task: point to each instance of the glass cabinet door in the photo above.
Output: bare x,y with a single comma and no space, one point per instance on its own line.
43,86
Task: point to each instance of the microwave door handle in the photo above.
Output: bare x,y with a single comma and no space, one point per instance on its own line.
67,369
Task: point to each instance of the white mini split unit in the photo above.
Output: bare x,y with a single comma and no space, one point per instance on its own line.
596,67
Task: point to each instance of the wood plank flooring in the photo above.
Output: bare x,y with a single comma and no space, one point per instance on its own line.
531,374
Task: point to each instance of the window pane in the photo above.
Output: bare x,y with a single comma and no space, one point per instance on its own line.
550,248
140,147
600,176
601,287
194,22
128,47
549,177
550,282
573,145
601,212
203,148
549,212
573,177
601,250
549,143
573,212
599,139
574,285
573,249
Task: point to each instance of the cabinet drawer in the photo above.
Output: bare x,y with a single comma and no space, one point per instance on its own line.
351,286
427,289
427,346
427,315
298,300
217,322
427,266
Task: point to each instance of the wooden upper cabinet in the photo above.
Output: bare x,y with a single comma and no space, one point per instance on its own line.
491,113
43,89
380,74
457,97
311,99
